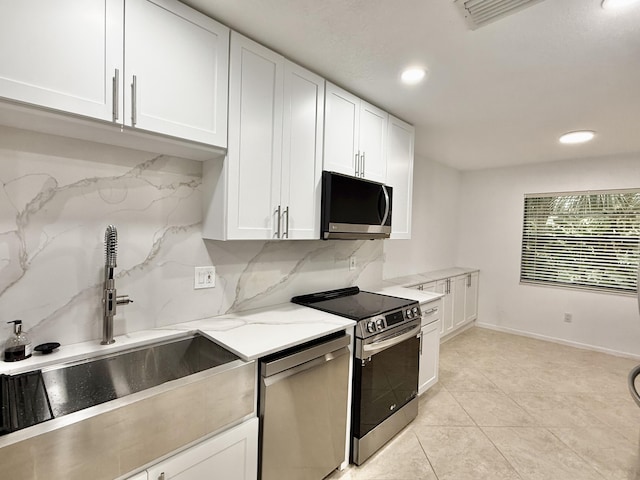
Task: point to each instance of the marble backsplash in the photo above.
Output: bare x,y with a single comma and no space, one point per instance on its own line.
57,195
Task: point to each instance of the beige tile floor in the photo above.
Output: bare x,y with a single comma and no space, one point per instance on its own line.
511,407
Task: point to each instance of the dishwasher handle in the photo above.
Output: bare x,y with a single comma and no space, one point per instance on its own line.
316,362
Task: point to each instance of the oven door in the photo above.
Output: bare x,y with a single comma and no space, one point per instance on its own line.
385,376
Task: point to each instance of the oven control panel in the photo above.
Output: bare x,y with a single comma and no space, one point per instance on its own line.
380,323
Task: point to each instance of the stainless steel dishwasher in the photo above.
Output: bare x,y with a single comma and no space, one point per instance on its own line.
303,410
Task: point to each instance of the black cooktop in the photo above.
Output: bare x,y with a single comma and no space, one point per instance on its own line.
352,302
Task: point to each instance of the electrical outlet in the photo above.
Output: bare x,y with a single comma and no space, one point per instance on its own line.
204,277
352,262
568,317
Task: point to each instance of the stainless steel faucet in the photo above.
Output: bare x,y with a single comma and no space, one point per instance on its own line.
109,297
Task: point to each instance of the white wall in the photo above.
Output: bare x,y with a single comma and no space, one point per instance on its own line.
490,234
436,191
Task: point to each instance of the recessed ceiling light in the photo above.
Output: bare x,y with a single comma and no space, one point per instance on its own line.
413,75
611,4
580,136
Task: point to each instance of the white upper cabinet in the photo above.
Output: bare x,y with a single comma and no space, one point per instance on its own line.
341,131
62,55
255,140
355,136
156,65
373,143
400,145
300,190
269,185
175,74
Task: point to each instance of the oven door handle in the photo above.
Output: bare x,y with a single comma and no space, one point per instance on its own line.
376,347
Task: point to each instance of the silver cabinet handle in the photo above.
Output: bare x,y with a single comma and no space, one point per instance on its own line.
286,225
431,311
421,335
134,101
469,280
116,94
358,164
363,165
279,212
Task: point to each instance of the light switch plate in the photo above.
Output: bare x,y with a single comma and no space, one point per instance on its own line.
204,277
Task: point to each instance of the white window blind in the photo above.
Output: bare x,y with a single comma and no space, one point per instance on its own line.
583,240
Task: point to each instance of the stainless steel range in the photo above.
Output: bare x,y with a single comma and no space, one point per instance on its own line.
385,379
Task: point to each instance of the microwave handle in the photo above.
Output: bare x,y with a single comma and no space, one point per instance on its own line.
386,205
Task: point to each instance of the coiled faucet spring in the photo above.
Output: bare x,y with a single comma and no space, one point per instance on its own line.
109,297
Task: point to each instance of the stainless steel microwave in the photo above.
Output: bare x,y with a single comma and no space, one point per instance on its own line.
354,209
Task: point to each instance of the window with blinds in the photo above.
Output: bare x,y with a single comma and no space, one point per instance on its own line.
586,240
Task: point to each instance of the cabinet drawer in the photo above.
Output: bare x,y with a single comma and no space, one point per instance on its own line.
431,312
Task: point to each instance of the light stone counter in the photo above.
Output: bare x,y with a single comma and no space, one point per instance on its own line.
426,277
256,333
411,293
250,335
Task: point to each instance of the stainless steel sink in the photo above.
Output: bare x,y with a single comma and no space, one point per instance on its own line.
77,386
121,411
63,389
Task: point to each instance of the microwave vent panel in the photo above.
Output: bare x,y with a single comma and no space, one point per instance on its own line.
478,13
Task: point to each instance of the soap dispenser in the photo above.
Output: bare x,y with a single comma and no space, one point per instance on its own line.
18,346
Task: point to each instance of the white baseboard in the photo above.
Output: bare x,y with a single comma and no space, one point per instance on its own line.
561,341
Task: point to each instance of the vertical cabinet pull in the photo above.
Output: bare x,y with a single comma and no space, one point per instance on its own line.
363,166
134,101
358,164
279,213
421,335
116,94
468,280
286,225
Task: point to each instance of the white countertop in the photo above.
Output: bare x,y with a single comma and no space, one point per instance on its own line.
257,333
250,335
426,277
411,293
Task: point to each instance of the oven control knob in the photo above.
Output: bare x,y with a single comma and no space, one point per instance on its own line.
380,324
371,326
416,311
409,313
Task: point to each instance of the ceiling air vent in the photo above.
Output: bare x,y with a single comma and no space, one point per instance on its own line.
478,13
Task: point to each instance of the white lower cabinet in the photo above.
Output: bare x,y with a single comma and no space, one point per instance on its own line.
231,455
429,345
460,300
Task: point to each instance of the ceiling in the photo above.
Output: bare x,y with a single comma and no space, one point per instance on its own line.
499,95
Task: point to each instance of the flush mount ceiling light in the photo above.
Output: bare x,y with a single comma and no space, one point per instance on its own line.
413,75
611,4
580,136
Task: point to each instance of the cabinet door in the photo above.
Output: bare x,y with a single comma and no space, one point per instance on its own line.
471,297
429,356
341,130
400,146
255,140
373,142
301,152
459,287
444,287
231,455
179,60
62,55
